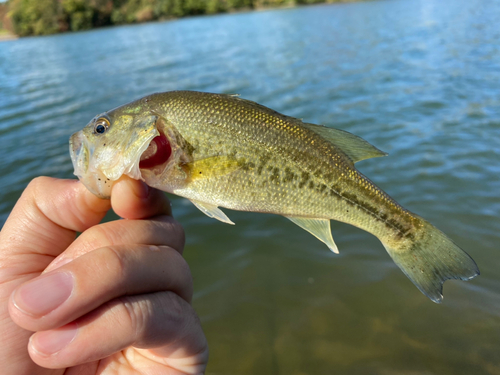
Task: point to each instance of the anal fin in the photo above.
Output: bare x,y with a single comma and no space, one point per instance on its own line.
212,211
319,228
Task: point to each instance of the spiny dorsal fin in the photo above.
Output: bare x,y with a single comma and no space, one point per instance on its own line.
319,228
355,147
212,211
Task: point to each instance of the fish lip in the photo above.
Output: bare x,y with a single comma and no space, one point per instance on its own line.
78,151
81,153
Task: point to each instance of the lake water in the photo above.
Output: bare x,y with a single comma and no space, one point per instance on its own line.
418,79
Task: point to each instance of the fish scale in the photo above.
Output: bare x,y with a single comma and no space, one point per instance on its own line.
314,162
234,153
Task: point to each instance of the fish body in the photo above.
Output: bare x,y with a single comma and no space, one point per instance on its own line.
223,151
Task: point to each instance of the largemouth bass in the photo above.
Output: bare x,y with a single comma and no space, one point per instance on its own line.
223,151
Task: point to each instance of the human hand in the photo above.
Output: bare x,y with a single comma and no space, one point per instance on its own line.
114,300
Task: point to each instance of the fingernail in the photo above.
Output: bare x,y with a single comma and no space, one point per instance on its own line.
44,294
50,342
58,262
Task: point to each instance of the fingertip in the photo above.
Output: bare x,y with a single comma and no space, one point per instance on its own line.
133,199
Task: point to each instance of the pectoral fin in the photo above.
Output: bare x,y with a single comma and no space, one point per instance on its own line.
319,228
355,147
211,167
212,211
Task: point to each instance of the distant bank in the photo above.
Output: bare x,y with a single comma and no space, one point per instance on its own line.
43,17
5,35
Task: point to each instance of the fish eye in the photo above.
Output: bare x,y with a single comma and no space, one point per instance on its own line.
101,125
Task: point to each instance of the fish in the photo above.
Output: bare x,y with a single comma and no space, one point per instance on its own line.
221,150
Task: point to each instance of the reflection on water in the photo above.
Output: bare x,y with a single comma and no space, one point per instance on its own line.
417,79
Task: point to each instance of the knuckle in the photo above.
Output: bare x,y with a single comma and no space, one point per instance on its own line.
116,262
35,186
112,232
174,232
152,318
137,313
173,307
178,231
94,238
178,314
155,319
37,182
187,278
184,274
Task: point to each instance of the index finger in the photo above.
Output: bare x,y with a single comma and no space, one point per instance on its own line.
45,220
130,199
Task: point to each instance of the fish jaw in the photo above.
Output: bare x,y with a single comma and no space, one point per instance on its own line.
99,160
94,181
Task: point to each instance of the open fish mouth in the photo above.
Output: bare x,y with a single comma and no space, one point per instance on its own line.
157,153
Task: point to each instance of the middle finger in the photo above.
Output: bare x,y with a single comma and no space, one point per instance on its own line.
161,230
61,296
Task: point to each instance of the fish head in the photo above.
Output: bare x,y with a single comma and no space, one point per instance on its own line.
111,145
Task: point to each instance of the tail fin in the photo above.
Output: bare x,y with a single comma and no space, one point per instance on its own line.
430,260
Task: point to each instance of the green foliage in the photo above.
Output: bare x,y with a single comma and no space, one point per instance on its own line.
216,6
3,12
177,9
194,6
168,8
80,14
131,11
37,17
102,12
312,1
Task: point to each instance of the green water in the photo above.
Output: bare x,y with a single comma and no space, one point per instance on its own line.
418,79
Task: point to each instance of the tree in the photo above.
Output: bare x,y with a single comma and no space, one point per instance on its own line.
36,17
80,14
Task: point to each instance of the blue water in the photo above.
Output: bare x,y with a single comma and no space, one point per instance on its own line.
418,79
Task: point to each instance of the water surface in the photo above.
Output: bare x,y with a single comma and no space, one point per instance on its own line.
418,79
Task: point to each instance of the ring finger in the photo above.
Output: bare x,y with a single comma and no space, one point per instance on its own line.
76,288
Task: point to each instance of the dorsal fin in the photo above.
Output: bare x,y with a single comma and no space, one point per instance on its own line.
355,147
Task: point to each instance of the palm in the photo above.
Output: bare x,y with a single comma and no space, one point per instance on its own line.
130,361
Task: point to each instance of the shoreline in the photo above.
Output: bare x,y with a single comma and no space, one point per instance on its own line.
5,35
